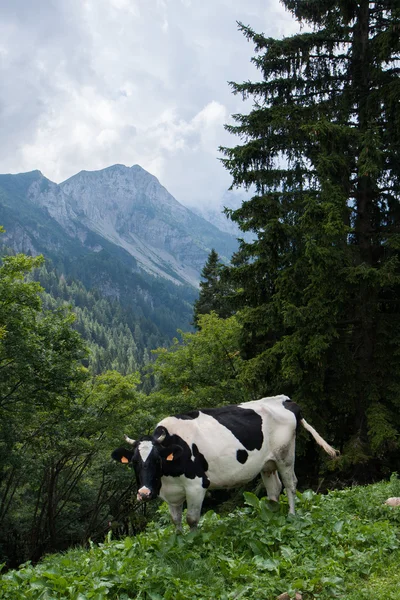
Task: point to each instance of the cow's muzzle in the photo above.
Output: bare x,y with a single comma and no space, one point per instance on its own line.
144,494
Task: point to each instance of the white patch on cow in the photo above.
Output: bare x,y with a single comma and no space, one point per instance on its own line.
145,449
173,489
218,445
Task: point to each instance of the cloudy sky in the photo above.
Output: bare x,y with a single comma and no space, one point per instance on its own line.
89,83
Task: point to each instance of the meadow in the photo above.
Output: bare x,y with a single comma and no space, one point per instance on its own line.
343,544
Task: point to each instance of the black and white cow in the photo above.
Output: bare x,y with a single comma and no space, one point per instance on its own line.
218,448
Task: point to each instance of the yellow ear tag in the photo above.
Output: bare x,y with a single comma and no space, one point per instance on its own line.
170,457
124,460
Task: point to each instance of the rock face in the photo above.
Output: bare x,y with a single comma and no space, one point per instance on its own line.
50,196
129,208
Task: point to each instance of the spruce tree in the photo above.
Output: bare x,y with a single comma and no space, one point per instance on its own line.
213,292
320,150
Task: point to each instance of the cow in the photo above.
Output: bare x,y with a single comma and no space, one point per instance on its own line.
218,448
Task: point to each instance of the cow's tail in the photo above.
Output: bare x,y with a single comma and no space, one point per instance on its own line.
320,440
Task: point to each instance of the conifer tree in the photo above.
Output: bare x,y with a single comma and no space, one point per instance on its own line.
320,151
212,296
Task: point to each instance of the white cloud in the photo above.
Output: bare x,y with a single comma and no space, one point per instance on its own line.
90,83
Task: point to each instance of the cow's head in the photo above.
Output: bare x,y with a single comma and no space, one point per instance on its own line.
148,455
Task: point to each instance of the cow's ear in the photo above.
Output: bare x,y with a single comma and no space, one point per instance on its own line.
122,455
171,453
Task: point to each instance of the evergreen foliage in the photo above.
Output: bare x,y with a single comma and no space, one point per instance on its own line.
119,338
318,287
213,295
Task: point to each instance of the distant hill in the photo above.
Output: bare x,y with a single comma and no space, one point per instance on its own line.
125,211
130,208
120,232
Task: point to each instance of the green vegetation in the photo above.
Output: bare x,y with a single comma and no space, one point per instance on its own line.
317,290
114,297
202,368
57,424
342,545
119,337
213,291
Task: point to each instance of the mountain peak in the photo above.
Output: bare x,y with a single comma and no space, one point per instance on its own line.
129,208
134,172
35,174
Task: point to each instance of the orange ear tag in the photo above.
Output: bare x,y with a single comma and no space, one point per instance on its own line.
124,460
170,457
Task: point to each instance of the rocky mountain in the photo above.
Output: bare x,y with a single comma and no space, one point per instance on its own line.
119,231
126,207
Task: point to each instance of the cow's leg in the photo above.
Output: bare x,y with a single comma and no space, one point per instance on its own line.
194,500
289,480
175,510
272,483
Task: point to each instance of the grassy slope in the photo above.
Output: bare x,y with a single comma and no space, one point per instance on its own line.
343,545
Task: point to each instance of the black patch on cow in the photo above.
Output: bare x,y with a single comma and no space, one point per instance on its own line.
199,457
242,456
206,482
244,423
122,453
294,408
189,416
159,431
202,464
191,463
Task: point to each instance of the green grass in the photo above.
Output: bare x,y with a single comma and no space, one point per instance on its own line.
342,545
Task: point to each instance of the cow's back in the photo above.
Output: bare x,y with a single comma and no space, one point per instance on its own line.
236,441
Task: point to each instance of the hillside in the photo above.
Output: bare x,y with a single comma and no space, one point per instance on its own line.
119,337
124,212
122,316
129,207
118,233
342,545
157,305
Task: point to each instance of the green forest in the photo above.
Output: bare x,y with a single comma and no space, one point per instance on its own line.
119,337
309,308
